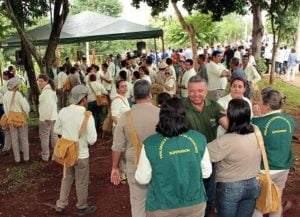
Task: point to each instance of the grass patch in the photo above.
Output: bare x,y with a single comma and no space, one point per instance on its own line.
19,177
291,92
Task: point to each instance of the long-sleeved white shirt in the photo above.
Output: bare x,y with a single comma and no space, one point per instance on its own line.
20,104
214,72
252,74
61,79
143,173
48,104
185,80
97,87
68,124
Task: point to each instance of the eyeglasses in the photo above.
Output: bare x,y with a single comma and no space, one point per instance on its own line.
167,73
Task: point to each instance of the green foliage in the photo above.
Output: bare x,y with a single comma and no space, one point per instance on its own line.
106,7
261,65
218,8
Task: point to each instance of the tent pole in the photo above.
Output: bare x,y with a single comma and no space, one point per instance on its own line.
155,47
163,44
87,52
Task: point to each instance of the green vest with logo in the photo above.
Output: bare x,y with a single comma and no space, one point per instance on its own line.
176,171
277,130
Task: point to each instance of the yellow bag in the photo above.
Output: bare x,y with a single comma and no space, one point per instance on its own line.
16,119
269,198
67,85
3,121
102,100
66,152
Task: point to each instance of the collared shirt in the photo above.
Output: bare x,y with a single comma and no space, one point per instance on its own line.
252,74
119,105
108,76
170,82
68,125
214,72
47,104
61,79
205,121
98,89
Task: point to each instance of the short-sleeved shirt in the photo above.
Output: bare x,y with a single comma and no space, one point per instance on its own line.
205,121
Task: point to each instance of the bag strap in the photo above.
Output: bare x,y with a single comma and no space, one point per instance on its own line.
87,114
260,141
92,89
12,100
136,142
119,98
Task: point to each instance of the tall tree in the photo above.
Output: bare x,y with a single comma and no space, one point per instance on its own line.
21,12
281,13
107,7
218,8
298,38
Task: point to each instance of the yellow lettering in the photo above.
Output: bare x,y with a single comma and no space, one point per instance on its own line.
279,131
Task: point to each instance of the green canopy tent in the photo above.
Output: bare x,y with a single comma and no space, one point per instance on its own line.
89,26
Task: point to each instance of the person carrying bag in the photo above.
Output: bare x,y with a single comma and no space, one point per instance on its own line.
268,200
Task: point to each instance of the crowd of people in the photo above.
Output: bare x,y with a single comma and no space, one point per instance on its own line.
183,133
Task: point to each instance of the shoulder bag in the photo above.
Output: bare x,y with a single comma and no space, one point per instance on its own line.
268,200
66,151
67,85
100,99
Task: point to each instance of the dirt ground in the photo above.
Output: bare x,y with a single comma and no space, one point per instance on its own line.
31,190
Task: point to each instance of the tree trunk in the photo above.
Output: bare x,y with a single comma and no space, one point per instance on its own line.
298,39
190,30
61,10
257,30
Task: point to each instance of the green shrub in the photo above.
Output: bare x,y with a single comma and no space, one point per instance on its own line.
261,65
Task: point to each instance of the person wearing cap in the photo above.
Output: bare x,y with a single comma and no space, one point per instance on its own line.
160,75
68,125
19,136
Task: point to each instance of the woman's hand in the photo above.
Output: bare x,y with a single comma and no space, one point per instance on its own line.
256,110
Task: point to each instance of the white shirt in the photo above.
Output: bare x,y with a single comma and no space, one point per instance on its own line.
268,53
252,60
185,81
112,69
68,124
252,74
20,104
188,53
119,106
47,104
237,54
143,172
214,72
224,101
147,78
61,79
170,82
97,87
108,77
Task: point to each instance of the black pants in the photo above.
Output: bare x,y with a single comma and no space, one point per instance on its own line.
1,131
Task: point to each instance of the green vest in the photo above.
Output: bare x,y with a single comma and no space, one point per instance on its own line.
176,172
205,121
277,130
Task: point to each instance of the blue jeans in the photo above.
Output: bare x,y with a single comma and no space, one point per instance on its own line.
210,188
237,199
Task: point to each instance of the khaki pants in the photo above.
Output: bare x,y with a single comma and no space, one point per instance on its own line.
62,98
47,135
191,211
7,140
279,179
19,140
80,173
215,94
138,195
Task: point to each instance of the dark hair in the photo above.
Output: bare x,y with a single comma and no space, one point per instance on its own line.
119,82
201,57
162,97
123,63
197,79
83,58
10,68
239,114
88,70
123,75
48,79
73,70
141,89
235,61
169,61
190,61
53,60
67,58
92,77
136,74
105,65
149,60
62,69
172,118
9,74
144,69
96,67
246,56
240,79
215,53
